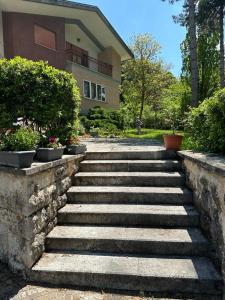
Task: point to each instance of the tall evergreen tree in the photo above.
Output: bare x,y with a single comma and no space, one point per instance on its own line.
211,18
208,63
193,51
188,18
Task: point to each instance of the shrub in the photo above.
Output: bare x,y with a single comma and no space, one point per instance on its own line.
96,112
23,139
172,114
152,120
108,130
99,117
46,98
206,125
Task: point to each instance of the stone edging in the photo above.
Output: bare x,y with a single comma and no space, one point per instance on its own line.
38,167
211,162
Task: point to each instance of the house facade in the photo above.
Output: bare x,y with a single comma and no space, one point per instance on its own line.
70,36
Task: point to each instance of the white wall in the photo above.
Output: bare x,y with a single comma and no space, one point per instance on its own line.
73,32
1,37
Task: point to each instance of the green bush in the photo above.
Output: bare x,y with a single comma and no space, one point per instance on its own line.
85,122
99,117
206,125
96,112
23,139
108,130
46,98
152,120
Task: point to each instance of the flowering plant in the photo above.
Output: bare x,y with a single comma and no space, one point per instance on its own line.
73,140
53,142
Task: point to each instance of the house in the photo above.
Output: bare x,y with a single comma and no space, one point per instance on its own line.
70,36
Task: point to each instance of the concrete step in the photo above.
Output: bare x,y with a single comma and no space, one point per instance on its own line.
129,195
129,165
129,179
132,155
129,215
128,240
128,272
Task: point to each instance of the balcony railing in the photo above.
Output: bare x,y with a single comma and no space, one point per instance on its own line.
80,57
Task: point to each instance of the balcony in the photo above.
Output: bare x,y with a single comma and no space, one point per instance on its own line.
81,57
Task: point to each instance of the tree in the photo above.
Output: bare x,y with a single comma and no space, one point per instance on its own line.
193,51
144,77
179,95
208,63
188,18
211,19
222,67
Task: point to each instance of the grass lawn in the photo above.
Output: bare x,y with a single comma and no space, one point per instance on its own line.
155,134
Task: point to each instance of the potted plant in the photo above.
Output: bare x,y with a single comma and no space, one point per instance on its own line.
74,147
18,147
172,114
51,149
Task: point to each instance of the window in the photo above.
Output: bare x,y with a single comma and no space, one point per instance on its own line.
103,94
44,37
94,91
99,92
87,92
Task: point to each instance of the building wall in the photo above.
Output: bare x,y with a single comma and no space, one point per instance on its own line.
18,32
19,38
1,37
111,86
73,32
110,56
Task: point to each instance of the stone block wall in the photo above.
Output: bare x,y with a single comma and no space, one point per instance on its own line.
29,202
205,175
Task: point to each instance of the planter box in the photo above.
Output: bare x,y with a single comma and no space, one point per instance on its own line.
17,159
76,149
49,154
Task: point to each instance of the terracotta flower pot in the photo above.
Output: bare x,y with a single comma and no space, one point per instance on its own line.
173,142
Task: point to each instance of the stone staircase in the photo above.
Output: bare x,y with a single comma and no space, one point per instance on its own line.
129,224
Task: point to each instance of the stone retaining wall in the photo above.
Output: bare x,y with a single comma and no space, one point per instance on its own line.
29,201
205,175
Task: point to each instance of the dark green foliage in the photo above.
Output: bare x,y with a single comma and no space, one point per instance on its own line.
46,98
208,63
23,139
96,113
101,118
85,122
206,125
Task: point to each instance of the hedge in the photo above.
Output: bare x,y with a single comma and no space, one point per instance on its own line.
206,125
99,117
46,98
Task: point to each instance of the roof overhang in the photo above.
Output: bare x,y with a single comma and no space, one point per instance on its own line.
90,16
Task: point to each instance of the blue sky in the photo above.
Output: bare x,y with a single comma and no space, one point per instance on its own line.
130,17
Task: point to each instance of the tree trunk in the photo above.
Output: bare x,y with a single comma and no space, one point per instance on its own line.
156,119
142,107
193,52
142,92
222,69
